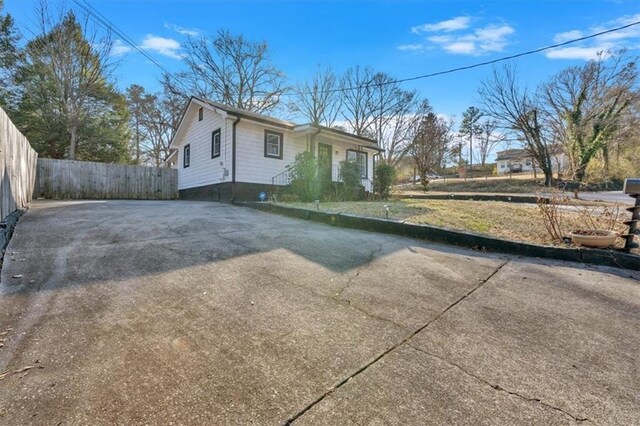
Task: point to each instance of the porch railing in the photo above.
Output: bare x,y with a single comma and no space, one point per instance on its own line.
284,178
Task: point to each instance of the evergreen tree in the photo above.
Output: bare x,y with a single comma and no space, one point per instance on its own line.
9,54
67,106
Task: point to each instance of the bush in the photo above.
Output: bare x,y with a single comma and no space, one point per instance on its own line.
304,177
288,198
385,176
351,185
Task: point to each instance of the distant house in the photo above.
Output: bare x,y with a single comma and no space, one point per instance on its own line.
172,159
225,153
519,160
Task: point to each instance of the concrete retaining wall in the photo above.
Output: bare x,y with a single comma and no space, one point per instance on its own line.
478,197
457,238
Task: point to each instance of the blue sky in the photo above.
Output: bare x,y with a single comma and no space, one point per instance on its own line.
403,38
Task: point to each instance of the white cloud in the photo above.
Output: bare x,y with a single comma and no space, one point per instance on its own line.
164,46
411,47
191,32
119,48
454,24
584,53
566,36
461,47
589,49
492,38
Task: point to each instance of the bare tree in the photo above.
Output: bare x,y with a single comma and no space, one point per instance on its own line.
488,139
138,102
375,106
154,118
67,65
517,111
430,142
393,116
229,69
588,104
319,99
356,100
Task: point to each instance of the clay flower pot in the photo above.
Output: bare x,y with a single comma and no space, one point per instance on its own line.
598,238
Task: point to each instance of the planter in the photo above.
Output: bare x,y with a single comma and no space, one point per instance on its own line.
598,238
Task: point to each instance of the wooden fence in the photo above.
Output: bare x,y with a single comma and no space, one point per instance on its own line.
66,179
17,168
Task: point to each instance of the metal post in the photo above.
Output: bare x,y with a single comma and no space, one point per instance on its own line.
632,188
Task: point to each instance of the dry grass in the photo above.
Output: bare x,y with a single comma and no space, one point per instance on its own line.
513,221
524,184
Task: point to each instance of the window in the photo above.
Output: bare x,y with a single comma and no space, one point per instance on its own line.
186,156
502,166
200,114
528,163
273,144
360,158
215,143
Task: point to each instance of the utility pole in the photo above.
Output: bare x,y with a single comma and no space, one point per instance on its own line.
471,149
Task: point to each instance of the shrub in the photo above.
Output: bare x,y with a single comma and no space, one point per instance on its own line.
288,198
385,176
351,185
304,177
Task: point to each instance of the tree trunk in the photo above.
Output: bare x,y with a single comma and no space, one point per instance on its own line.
548,177
471,150
72,142
137,140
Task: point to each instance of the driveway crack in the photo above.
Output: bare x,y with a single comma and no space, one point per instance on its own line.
394,347
372,255
500,388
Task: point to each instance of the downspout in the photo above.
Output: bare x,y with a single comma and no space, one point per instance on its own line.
313,139
233,158
373,174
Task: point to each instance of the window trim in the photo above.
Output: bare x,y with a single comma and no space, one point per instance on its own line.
213,135
186,156
281,145
201,114
366,161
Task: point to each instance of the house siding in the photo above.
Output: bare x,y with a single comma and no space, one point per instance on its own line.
204,170
205,177
251,164
558,164
339,154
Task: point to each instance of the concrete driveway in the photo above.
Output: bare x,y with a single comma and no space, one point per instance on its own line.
202,313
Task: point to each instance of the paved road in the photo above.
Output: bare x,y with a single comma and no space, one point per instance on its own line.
202,313
609,196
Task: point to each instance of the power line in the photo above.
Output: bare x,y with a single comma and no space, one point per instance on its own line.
482,64
110,26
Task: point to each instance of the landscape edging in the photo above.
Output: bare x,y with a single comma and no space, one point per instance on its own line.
528,199
454,237
8,225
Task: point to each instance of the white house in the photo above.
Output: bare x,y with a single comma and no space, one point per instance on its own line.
519,160
226,153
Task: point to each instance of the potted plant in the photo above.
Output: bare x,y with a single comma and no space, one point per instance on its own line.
597,238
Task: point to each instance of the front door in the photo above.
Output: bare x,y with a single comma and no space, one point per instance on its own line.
324,165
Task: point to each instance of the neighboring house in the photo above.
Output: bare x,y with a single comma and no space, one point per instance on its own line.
226,153
172,159
519,160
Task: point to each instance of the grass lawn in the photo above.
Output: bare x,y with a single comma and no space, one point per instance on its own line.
489,185
514,221
517,184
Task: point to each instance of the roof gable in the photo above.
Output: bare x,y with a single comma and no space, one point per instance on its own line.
191,109
234,112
